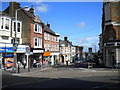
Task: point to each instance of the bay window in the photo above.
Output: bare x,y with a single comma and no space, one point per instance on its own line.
5,23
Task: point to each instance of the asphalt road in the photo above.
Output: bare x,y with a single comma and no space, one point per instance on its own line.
63,77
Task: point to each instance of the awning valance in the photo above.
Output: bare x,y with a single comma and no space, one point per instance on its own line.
46,53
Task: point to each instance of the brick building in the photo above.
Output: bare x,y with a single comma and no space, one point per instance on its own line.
32,28
51,45
110,37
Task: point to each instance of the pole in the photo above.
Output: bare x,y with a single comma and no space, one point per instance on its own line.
28,63
15,55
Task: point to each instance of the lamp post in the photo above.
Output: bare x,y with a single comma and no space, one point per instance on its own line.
15,40
95,48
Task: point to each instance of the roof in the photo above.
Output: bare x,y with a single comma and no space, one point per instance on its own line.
5,14
47,29
62,42
29,14
25,11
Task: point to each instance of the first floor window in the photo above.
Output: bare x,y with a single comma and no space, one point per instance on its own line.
7,24
18,27
2,23
37,42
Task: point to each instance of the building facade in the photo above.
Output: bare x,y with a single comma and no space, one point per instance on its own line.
51,45
111,33
65,51
7,35
31,29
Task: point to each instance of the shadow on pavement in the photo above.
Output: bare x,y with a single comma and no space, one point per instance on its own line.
17,82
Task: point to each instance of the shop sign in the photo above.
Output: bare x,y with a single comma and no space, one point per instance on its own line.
38,51
6,49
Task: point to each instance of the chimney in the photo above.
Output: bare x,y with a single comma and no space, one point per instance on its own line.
48,25
65,38
13,7
31,10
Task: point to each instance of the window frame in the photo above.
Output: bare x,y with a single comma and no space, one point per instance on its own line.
37,42
37,28
3,23
14,26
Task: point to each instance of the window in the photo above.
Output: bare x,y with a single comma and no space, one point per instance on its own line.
37,28
18,26
14,26
7,24
5,37
2,20
37,42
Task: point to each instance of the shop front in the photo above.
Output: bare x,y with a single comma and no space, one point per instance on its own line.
46,61
36,57
112,54
54,58
7,54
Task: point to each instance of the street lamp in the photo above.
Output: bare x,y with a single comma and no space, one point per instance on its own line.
15,40
95,48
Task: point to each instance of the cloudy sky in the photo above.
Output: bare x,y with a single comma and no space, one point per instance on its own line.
79,21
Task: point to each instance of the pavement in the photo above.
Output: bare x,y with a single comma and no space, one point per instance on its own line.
14,77
44,68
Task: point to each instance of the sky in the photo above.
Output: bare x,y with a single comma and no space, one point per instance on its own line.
79,21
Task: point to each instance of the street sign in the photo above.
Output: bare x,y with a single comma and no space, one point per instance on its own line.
15,47
27,49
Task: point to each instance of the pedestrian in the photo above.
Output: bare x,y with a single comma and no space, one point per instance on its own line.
24,63
67,62
34,63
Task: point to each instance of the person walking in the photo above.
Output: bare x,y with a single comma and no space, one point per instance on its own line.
24,63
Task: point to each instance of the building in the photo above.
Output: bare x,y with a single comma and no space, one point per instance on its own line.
79,51
51,45
73,52
65,51
31,31
111,33
7,35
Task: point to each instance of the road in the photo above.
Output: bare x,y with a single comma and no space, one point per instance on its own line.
63,77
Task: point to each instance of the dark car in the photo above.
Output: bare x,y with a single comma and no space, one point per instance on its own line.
78,62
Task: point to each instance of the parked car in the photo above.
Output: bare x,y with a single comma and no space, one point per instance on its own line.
78,62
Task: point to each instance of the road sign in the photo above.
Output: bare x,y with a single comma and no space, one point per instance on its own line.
27,49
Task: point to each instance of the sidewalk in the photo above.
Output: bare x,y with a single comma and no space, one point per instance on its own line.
22,71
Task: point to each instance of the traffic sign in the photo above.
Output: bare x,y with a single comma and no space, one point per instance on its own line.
27,49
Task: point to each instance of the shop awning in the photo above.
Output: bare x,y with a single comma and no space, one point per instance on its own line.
46,53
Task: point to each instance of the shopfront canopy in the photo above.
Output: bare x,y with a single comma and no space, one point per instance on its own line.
46,53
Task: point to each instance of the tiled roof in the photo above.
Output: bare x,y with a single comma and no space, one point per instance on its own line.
47,29
62,42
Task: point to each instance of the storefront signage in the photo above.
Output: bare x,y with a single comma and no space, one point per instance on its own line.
38,51
11,50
